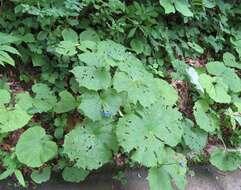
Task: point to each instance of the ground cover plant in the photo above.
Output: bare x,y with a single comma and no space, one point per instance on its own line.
86,83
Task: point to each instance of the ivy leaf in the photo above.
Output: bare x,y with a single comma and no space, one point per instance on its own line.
90,145
44,99
91,77
41,176
224,160
215,87
182,6
172,171
145,129
205,120
5,96
34,148
230,61
66,104
94,105
168,6
73,174
194,138
11,120
70,35
228,75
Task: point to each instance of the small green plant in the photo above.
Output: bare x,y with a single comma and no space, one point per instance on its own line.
152,81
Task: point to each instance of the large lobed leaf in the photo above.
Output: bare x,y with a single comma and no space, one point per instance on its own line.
90,145
146,133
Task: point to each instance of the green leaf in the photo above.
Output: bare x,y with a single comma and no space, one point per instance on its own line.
19,177
145,129
169,95
91,77
194,138
205,119
228,75
9,49
5,58
138,87
73,174
25,101
182,6
66,48
44,99
70,35
168,6
5,97
173,171
196,47
94,105
11,120
215,87
90,146
38,60
8,38
137,46
34,147
66,103
91,59
159,179
230,60
7,173
224,160
41,176
89,35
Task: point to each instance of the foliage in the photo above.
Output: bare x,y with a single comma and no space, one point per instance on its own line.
225,160
34,147
41,176
84,81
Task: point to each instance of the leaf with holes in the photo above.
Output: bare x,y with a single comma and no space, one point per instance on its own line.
90,145
145,135
94,105
44,99
91,77
137,87
194,137
173,171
